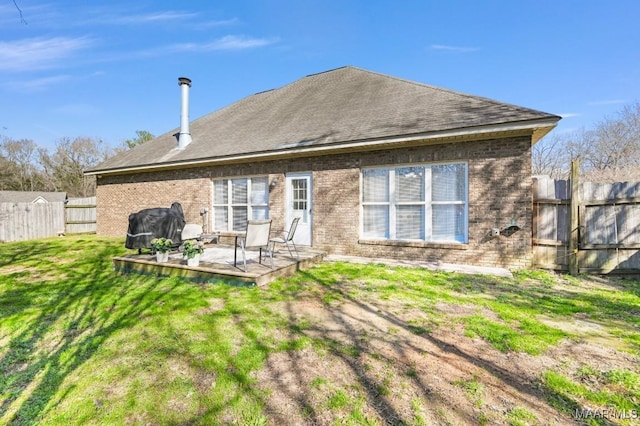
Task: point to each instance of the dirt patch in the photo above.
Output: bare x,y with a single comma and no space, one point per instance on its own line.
368,362
215,305
31,274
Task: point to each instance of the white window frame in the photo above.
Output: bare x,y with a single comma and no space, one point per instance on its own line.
428,203
230,205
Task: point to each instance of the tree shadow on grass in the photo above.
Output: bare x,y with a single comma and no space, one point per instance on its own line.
327,290
76,315
351,350
244,396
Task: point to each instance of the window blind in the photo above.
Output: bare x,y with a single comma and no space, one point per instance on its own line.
237,200
415,202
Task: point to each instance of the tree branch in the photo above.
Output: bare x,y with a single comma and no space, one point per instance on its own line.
22,20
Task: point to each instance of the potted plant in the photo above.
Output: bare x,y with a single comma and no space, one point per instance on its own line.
162,247
192,250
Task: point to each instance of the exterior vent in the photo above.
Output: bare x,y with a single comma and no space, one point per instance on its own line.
184,137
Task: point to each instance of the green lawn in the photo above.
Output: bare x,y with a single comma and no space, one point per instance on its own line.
80,344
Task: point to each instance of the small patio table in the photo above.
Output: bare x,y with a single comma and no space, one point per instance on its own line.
234,234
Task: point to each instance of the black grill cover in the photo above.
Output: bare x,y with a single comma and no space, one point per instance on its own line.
148,224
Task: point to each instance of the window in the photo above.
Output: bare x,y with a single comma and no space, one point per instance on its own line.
415,203
236,201
299,194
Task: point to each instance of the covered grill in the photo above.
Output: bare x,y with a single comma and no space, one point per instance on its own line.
148,224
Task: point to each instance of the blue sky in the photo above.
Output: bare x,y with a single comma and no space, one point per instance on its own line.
107,69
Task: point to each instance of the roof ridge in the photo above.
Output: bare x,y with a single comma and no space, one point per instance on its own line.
329,70
301,78
446,90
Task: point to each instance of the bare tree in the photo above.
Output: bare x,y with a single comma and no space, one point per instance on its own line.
8,173
19,156
26,167
66,166
549,157
607,153
48,167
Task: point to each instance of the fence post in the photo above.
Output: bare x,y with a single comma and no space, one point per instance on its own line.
574,266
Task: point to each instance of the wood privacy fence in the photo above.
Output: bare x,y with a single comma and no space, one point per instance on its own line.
606,228
29,221
81,215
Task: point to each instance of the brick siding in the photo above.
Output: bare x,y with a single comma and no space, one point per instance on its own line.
499,192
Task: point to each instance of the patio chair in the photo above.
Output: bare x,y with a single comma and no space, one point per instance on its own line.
287,238
191,231
257,236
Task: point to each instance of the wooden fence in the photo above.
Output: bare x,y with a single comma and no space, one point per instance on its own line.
606,226
80,215
30,221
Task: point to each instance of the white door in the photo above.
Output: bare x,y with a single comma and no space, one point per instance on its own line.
299,205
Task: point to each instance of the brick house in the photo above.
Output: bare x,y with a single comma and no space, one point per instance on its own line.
374,165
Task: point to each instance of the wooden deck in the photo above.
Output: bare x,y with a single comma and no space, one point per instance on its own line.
217,265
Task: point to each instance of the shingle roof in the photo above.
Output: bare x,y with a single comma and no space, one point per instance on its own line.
31,196
336,107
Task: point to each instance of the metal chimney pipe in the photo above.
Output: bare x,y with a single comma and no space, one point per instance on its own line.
184,138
